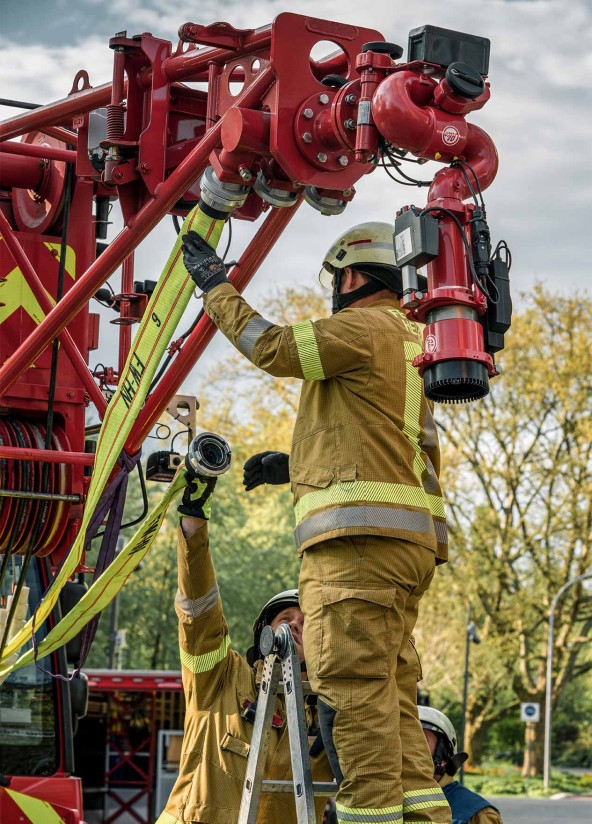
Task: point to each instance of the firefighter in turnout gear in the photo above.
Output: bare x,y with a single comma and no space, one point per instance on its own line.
370,520
467,807
221,690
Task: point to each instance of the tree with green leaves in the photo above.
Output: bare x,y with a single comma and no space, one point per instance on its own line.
518,480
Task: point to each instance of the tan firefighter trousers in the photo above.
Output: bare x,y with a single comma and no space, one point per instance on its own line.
360,598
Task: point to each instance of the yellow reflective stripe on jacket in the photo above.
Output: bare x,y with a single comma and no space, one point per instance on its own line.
369,491
207,660
36,810
370,815
308,351
412,413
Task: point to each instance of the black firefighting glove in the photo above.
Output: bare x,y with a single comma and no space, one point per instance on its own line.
196,499
266,468
202,262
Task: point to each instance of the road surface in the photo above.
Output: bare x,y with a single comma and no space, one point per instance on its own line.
575,810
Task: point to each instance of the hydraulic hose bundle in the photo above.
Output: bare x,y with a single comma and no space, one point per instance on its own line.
24,501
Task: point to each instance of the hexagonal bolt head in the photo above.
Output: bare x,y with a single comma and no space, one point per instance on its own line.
307,137
349,124
350,99
246,175
343,160
322,157
323,98
308,113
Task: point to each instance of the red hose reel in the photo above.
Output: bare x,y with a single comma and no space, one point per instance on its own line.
21,518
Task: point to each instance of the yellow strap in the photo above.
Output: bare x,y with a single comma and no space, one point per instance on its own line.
106,587
308,351
36,810
164,311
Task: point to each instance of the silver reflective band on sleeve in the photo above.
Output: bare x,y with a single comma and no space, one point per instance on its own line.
384,517
197,606
250,335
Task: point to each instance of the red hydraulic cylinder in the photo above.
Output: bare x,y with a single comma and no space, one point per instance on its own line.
35,150
20,172
72,351
125,329
250,261
166,195
19,453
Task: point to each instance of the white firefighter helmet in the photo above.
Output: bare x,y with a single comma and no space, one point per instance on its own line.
434,720
287,598
367,244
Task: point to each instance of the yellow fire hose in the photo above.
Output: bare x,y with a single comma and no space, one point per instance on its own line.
162,315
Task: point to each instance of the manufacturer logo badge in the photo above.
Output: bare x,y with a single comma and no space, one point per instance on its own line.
450,135
431,343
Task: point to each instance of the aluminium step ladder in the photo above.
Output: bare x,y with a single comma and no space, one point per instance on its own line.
281,658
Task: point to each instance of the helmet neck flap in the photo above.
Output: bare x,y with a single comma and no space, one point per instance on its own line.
341,301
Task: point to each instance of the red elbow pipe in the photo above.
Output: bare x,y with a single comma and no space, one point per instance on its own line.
405,115
401,113
481,155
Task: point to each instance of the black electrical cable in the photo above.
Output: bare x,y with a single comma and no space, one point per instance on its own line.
503,246
176,224
395,163
181,432
482,288
457,164
464,166
392,177
229,224
19,104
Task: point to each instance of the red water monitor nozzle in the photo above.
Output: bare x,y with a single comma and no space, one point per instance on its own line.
466,308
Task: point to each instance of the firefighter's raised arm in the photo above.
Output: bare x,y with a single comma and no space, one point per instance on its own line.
203,633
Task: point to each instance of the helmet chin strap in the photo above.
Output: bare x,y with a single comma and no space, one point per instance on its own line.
340,301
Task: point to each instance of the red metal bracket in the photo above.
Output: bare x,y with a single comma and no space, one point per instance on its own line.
222,35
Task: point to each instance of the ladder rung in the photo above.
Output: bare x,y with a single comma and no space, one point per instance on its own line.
319,787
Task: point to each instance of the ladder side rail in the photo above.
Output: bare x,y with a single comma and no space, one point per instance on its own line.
297,731
260,741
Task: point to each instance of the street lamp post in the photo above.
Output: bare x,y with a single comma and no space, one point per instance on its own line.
549,680
471,637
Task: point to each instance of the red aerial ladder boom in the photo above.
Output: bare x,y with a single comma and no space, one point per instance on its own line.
241,121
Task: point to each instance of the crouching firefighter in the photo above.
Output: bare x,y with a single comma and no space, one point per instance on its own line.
467,807
221,690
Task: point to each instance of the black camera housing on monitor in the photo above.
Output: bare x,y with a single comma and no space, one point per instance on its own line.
431,44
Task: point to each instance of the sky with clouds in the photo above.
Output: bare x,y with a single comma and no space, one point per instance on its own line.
538,116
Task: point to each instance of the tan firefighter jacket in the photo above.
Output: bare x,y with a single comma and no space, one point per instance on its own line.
217,682
365,457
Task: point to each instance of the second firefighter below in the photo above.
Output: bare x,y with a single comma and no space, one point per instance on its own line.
370,521
221,689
